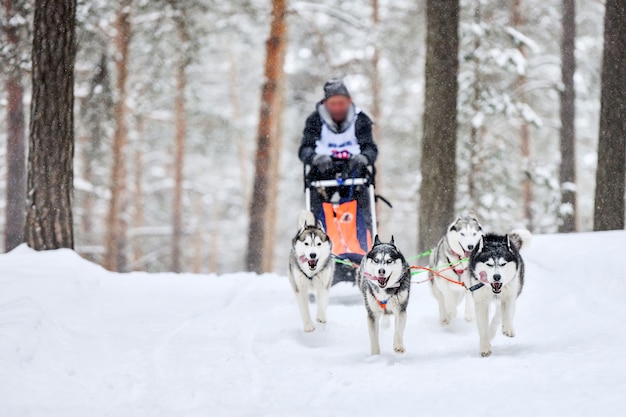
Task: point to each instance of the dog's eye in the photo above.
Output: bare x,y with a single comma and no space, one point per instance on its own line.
462,234
389,261
503,264
490,265
306,243
319,243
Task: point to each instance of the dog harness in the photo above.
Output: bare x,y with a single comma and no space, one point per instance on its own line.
458,271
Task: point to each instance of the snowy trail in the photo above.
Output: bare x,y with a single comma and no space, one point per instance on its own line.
76,340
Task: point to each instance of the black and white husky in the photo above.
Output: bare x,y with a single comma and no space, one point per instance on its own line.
384,278
311,267
497,271
451,258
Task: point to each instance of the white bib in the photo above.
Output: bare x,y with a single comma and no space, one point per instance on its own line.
338,144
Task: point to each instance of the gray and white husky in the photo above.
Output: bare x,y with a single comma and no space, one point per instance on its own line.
497,271
384,278
311,267
451,258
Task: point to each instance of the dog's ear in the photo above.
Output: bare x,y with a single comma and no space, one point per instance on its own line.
515,240
393,242
481,244
376,241
320,226
452,227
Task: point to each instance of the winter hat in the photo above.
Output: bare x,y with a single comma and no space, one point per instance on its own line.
335,87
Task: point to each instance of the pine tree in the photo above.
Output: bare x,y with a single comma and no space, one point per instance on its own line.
438,190
567,171
51,144
181,132
611,171
260,248
16,138
117,224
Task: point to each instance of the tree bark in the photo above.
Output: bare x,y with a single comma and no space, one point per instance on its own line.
116,237
567,170
49,223
258,248
474,154
524,132
16,146
179,152
611,172
138,193
272,209
376,112
438,189
94,111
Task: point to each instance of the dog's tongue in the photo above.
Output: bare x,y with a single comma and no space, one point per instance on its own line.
312,263
467,253
497,286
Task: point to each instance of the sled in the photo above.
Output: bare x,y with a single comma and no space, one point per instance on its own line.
346,206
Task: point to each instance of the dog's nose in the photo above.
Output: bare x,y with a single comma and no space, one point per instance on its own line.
313,255
497,277
381,271
470,247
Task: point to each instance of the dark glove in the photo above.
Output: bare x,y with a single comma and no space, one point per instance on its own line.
323,163
358,161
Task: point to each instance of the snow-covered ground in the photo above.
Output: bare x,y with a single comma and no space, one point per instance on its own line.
76,340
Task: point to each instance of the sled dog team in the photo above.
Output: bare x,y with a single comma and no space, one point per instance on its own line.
482,269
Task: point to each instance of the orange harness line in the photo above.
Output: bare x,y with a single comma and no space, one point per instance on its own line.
432,271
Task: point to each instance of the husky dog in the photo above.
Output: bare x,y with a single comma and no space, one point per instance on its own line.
384,278
453,250
311,267
497,272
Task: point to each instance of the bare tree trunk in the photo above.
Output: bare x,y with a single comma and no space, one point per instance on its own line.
179,153
93,110
438,189
474,164
276,143
117,225
49,223
611,172
375,81
527,186
198,235
138,197
567,171
260,205
16,139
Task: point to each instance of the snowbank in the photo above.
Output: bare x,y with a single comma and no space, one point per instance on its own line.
76,340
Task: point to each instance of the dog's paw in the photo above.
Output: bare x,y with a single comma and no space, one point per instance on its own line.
321,320
485,354
469,317
399,348
508,331
444,321
308,328
485,350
